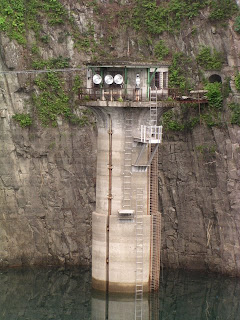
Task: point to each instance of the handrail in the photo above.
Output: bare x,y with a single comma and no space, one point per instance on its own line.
131,94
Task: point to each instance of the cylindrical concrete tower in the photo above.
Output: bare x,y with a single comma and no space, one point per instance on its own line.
121,224
125,96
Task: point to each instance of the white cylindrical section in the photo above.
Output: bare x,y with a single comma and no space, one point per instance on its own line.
121,248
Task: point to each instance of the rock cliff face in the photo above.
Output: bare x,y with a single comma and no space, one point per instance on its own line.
47,175
199,194
47,186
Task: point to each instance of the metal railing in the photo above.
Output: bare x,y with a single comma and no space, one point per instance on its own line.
111,94
130,94
151,134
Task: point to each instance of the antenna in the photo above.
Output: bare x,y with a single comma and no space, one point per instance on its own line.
118,79
97,79
108,79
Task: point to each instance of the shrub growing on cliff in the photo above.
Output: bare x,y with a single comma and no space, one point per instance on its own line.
222,9
237,24
24,119
17,16
53,98
214,95
235,118
167,16
237,81
160,50
177,71
210,59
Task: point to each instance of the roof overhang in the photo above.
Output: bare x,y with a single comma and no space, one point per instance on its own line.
128,64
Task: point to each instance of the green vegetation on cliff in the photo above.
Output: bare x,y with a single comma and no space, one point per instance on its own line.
170,15
177,71
210,59
53,98
24,119
237,81
191,115
19,16
235,117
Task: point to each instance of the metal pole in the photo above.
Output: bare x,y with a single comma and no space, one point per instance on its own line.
109,210
109,196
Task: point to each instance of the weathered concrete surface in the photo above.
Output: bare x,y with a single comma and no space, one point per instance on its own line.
114,242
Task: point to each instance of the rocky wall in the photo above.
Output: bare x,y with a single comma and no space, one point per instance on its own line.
47,186
199,198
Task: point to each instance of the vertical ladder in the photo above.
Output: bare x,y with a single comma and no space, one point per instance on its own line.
153,108
156,225
139,255
127,170
154,182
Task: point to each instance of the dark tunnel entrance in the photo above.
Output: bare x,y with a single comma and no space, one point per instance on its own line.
215,78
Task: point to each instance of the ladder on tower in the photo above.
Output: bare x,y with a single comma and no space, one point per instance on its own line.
127,170
153,107
156,225
139,255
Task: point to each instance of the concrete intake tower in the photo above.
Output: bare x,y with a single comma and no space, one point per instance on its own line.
126,225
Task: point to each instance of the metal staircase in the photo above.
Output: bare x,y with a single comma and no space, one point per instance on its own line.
127,170
139,255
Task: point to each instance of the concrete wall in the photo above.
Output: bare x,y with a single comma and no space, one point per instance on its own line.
122,238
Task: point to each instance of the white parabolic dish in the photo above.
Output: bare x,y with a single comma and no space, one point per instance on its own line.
109,79
97,79
118,79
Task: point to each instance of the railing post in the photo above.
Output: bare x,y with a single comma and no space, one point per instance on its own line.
102,95
120,94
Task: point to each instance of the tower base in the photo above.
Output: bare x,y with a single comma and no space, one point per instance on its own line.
114,254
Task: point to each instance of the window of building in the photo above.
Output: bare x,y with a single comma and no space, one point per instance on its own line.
165,80
156,81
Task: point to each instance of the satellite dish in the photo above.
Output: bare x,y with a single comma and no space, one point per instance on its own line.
109,79
118,79
97,79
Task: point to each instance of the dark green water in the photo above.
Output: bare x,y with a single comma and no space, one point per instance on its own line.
66,295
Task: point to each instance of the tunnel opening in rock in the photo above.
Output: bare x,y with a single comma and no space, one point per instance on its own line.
215,78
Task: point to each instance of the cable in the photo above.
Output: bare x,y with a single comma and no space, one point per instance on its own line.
41,71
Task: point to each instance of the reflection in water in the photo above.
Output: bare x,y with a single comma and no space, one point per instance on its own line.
45,294
61,294
118,306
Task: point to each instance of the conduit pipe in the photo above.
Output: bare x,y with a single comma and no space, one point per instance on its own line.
110,167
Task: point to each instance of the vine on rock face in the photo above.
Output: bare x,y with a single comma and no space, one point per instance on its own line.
188,116
237,81
237,24
160,50
18,16
222,9
170,15
53,99
24,119
210,59
214,95
165,17
235,118
184,119
177,72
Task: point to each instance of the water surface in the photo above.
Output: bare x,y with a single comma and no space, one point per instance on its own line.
65,294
